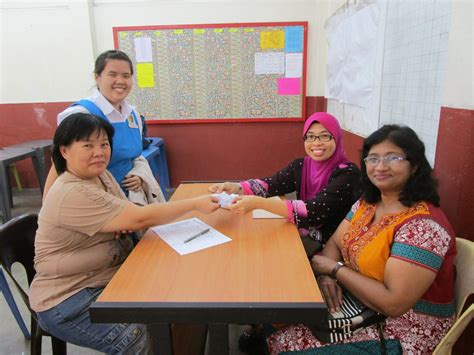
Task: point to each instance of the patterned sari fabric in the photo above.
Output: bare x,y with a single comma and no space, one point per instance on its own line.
420,235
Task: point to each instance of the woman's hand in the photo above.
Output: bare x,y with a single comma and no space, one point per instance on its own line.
132,183
245,204
206,203
322,265
229,187
331,292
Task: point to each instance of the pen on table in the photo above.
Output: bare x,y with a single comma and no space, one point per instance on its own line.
197,235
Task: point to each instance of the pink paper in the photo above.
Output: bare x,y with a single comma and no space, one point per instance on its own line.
289,86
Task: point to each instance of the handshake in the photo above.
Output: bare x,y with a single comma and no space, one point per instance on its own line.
225,200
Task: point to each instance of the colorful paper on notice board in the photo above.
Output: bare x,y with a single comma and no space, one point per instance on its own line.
143,51
293,65
269,63
272,39
289,86
145,75
293,39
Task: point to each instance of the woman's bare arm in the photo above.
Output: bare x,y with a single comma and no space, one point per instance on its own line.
133,217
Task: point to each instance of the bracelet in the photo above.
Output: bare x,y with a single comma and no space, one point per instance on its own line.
334,271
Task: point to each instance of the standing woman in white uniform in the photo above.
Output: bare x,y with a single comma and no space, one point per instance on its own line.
113,76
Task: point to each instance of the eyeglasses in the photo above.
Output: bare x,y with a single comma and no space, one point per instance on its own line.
387,160
322,137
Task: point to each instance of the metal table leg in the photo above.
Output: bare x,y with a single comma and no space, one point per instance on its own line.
161,343
5,192
218,339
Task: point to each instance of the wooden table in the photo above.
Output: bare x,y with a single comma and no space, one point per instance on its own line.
10,154
261,276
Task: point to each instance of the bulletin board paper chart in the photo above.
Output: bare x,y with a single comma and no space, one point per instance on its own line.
250,72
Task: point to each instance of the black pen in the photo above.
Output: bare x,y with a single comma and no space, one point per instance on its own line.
197,235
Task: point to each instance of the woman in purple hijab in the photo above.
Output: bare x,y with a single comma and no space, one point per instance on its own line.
325,183
326,186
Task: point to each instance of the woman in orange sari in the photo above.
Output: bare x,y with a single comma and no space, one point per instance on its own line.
394,252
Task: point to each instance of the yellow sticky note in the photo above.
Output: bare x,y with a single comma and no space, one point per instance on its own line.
248,30
137,34
157,33
233,30
272,39
178,32
123,34
199,31
218,30
145,75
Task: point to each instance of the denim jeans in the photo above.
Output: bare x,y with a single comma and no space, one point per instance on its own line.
70,321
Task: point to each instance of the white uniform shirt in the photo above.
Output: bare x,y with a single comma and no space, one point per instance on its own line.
106,107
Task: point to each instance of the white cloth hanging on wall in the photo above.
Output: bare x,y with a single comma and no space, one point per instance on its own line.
351,67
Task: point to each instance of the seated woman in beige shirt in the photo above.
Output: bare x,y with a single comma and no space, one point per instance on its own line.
78,244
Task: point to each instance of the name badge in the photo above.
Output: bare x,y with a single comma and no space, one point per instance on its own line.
131,122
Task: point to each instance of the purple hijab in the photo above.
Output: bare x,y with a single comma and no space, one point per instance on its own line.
316,174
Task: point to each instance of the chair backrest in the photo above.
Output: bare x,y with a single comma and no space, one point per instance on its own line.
17,244
464,261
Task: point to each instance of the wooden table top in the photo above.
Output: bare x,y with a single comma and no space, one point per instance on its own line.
264,262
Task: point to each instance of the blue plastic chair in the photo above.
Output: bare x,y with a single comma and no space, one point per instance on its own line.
11,303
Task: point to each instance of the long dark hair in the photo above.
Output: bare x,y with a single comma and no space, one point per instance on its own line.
74,128
421,186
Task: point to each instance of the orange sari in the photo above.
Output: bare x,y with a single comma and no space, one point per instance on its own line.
366,245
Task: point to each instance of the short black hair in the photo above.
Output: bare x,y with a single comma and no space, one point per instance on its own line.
421,186
102,59
74,128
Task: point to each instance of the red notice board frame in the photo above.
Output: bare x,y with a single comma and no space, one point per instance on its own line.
304,24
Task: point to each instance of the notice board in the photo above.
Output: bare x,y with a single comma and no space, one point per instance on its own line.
249,72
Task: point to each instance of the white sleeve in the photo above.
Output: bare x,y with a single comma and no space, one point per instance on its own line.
69,111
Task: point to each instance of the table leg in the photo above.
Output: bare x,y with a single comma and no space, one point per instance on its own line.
218,339
39,162
164,164
5,192
160,334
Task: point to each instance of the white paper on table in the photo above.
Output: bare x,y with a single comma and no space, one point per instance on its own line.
174,234
259,213
293,65
269,63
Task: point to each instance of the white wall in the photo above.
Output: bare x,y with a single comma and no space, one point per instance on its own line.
426,63
415,62
49,49
459,82
46,51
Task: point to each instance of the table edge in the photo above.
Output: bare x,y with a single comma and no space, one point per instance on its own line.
207,312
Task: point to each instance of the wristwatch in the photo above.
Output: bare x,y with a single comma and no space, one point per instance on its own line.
334,271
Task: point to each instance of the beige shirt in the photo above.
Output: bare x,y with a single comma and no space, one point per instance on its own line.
70,252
